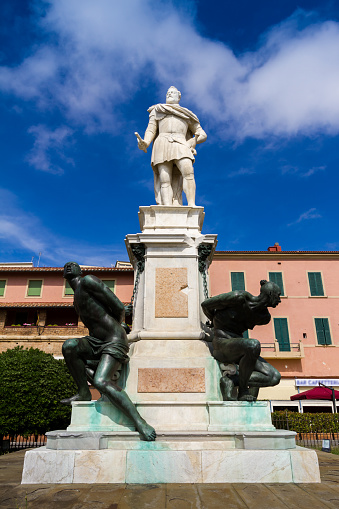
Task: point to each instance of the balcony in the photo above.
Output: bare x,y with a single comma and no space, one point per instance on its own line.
272,351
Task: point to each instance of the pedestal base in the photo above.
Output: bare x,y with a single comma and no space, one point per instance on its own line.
174,416
186,450
201,461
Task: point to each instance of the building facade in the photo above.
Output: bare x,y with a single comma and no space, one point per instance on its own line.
36,304
301,341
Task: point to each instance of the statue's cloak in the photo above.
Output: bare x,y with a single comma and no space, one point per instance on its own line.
161,110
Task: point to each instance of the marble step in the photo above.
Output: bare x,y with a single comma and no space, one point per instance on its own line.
171,440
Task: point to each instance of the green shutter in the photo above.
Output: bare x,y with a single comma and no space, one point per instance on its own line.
245,334
68,289
316,285
322,328
2,287
281,334
276,277
238,281
34,288
110,283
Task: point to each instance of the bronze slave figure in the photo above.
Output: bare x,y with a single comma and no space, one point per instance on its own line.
231,314
102,313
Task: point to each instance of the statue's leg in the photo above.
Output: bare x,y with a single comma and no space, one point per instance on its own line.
75,351
157,186
254,392
165,177
226,388
264,375
185,166
108,365
176,186
244,352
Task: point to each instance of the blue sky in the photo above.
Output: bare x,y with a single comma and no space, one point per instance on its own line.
76,79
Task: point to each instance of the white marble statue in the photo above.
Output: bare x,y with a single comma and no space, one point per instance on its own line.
175,131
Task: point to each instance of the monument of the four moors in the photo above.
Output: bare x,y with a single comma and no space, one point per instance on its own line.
179,392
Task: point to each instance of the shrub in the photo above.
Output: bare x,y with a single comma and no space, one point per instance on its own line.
307,422
32,383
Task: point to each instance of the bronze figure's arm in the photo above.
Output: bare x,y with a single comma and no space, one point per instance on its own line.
223,301
104,295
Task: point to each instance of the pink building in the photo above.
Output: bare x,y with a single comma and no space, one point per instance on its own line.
36,304
301,341
302,338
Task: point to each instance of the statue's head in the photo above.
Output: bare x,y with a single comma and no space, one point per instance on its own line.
173,96
71,270
271,291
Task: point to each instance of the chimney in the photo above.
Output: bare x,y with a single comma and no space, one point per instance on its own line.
274,248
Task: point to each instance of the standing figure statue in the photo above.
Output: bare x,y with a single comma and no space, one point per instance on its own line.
175,131
102,313
231,315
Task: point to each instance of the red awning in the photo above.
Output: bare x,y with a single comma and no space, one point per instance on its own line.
316,393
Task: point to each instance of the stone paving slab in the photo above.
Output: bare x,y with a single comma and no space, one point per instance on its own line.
168,496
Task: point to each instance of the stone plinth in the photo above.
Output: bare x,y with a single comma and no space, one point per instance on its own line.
171,459
174,382
187,366
176,416
161,218
170,289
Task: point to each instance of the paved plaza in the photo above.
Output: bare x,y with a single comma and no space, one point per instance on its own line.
170,496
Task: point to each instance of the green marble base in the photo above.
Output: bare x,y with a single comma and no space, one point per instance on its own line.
175,416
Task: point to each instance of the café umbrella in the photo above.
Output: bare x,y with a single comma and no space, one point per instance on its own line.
319,393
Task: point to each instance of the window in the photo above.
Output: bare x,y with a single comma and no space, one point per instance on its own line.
322,328
245,334
15,317
110,283
316,285
68,289
2,287
237,281
281,334
34,288
61,317
276,277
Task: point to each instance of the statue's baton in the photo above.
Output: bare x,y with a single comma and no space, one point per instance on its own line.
141,142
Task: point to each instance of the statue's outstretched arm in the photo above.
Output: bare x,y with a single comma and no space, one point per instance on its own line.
222,301
150,133
103,294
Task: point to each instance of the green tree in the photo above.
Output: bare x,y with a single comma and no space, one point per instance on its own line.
32,383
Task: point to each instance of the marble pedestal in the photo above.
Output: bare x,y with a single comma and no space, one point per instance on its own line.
175,457
100,446
170,290
174,382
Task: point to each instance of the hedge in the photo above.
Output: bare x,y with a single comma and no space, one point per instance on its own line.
32,383
307,422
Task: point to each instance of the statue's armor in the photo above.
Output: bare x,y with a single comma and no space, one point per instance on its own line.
172,124
170,134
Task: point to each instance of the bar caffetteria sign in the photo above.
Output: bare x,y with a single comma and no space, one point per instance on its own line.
314,382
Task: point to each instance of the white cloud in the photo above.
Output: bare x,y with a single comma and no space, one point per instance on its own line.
14,232
240,172
313,170
47,146
295,170
97,56
332,246
25,232
309,214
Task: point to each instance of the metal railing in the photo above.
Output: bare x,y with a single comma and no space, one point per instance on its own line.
312,433
12,443
273,350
